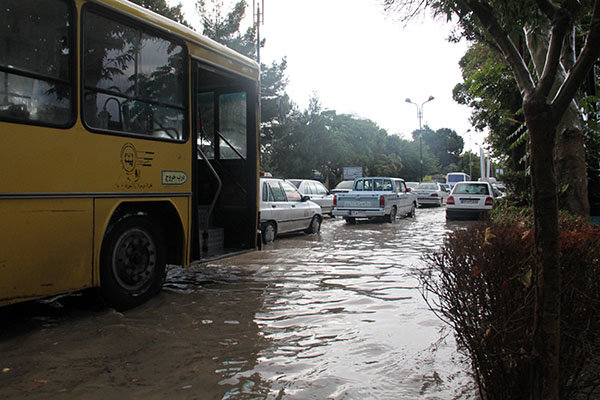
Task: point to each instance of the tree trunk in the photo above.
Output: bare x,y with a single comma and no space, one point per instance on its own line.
545,372
571,168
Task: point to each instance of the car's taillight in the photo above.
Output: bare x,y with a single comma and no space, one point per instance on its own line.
382,201
450,200
489,201
334,201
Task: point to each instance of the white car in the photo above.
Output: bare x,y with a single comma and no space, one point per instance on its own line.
469,200
317,192
430,193
283,209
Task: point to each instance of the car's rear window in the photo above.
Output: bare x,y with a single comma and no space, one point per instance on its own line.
376,185
428,186
345,185
471,188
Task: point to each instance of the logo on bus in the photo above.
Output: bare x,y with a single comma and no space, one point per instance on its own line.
128,158
132,160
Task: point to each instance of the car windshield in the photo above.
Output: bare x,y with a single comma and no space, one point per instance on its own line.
428,186
471,188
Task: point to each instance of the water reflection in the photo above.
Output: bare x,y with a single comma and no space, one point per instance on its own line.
342,316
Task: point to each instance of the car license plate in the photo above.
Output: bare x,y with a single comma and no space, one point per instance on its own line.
469,201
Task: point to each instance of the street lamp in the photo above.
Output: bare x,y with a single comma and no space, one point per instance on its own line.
420,117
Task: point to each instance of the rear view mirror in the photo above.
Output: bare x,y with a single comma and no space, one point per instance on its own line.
305,198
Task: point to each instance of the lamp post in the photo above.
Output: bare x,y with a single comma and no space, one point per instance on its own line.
420,117
470,165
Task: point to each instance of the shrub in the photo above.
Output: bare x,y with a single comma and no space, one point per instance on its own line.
480,283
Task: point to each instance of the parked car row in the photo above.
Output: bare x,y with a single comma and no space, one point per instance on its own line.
299,204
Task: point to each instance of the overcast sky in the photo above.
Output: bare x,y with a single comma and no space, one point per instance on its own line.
360,60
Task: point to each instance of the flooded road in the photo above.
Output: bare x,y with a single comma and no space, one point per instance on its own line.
330,316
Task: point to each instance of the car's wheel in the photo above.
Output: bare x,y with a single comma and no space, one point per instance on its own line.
132,262
315,225
269,231
350,220
412,211
391,217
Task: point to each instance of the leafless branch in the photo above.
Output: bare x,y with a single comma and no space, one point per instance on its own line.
560,26
486,16
588,56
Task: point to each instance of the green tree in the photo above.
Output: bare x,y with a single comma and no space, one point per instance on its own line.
445,144
544,106
225,27
161,7
491,91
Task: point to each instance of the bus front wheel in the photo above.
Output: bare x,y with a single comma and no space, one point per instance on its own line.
132,263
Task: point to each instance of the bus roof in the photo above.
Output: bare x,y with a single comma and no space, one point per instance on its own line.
200,47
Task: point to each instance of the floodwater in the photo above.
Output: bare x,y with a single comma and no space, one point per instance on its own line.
332,316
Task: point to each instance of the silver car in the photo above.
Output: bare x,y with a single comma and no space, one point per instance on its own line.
317,192
430,193
343,187
283,209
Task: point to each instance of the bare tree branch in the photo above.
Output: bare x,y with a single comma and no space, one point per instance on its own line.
560,26
485,14
588,56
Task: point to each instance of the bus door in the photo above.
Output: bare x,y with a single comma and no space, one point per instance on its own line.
225,179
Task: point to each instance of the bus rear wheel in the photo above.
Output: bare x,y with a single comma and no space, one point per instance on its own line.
132,263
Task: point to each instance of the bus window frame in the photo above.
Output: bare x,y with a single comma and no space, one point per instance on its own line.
148,28
72,81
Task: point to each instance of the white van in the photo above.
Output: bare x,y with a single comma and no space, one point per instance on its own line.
283,209
452,178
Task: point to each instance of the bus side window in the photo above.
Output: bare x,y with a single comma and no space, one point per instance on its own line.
232,125
133,80
36,62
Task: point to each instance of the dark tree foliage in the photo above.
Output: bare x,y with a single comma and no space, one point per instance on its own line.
226,28
161,7
489,88
445,144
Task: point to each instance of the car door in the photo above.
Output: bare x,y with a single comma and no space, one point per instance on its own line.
298,210
325,198
277,207
404,199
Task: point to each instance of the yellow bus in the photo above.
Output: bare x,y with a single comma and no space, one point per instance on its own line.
127,142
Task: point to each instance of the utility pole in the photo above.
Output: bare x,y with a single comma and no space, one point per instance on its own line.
420,117
258,12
